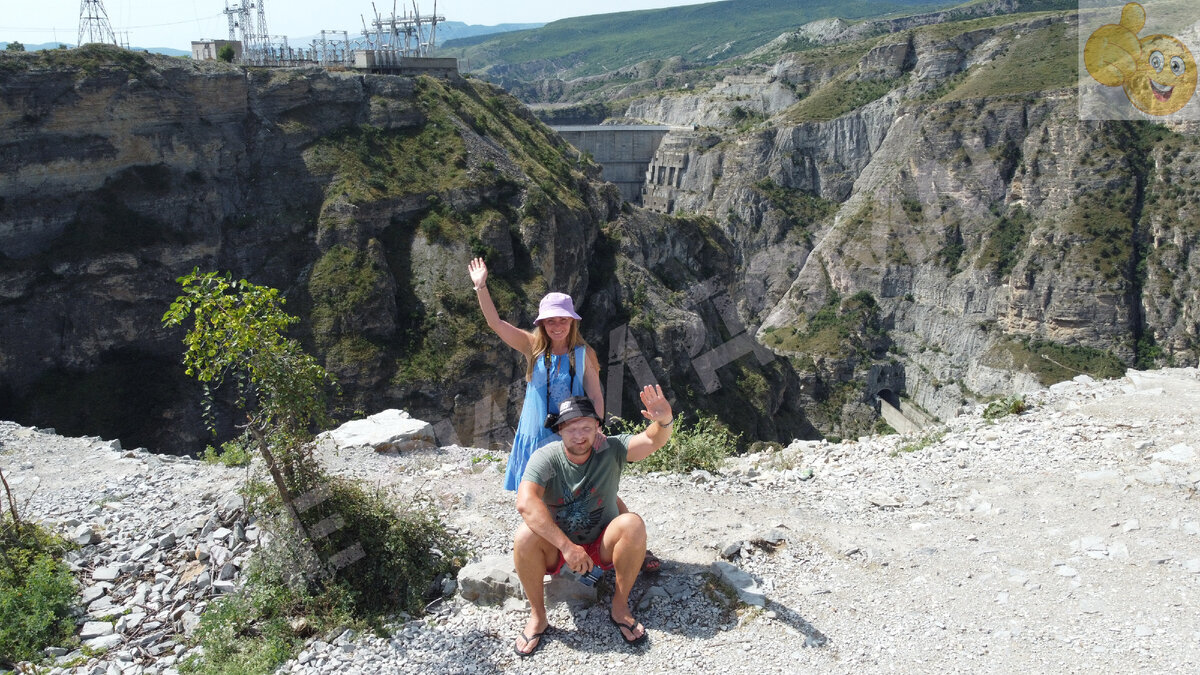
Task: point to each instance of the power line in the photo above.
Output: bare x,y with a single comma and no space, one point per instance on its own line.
34,29
179,23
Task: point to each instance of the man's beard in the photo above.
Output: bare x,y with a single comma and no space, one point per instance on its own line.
581,450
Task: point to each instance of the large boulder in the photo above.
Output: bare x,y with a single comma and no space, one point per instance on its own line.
490,581
388,431
494,581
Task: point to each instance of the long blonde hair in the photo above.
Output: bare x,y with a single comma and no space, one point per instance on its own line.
541,345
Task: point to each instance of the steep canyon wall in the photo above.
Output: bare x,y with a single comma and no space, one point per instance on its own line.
362,198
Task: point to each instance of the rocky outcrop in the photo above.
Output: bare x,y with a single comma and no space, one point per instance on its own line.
1007,243
361,197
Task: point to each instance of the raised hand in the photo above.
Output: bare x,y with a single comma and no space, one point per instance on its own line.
658,409
478,270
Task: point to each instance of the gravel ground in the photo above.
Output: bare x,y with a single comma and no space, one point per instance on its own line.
1065,539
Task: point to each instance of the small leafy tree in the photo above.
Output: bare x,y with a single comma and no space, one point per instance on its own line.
238,333
375,558
226,53
14,47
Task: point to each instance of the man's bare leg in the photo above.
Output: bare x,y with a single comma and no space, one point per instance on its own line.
625,544
650,563
532,556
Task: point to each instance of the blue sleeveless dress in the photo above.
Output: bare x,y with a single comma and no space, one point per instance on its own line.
531,434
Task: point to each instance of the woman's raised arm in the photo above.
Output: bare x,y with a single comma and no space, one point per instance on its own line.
513,337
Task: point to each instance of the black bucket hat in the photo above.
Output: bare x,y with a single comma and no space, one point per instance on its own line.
572,408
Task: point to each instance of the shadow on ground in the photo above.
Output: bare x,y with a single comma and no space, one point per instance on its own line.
685,599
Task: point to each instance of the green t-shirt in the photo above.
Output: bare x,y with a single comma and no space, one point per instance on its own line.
582,498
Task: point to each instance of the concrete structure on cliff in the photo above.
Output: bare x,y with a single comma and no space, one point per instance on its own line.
210,50
391,63
624,152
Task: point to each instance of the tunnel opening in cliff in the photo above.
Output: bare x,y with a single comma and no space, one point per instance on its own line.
889,396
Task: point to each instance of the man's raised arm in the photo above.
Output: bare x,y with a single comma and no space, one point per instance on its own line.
658,411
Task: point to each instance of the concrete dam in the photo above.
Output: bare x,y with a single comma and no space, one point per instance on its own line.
624,152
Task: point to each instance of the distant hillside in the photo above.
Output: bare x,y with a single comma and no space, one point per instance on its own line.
165,51
716,31
457,30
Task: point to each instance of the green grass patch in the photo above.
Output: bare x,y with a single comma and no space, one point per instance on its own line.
882,428
924,441
367,163
837,329
264,626
343,282
1040,60
1009,405
407,550
803,209
37,591
1052,362
1005,244
703,444
236,452
838,97
89,59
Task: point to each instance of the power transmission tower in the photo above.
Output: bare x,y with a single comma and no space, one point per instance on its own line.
93,24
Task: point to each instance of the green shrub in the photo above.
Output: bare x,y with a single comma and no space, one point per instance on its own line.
37,592
882,428
289,594
1011,405
924,441
237,452
259,629
1006,242
702,445
406,548
338,549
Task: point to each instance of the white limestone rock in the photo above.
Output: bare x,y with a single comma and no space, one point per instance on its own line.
387,431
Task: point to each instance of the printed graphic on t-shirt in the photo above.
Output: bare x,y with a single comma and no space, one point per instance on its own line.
573,515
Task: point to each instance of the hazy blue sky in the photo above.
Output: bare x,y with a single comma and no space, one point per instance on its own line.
175,23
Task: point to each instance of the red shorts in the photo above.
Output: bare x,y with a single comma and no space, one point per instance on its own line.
593,551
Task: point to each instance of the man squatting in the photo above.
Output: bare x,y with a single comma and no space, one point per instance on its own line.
568,500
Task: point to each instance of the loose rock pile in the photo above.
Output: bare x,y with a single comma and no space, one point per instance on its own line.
158,537
1065,539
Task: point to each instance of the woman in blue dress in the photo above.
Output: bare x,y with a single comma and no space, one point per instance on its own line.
559,364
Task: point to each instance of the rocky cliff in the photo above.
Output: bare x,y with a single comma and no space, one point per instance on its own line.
917,216
362,197
923,213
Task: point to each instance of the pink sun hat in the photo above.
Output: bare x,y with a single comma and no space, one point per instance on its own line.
556,304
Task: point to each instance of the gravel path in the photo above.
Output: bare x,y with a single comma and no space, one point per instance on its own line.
1065,539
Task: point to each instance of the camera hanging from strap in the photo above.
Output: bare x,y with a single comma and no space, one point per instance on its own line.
552,415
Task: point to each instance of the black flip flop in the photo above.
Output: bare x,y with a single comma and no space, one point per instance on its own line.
531,638
631,627
651,564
